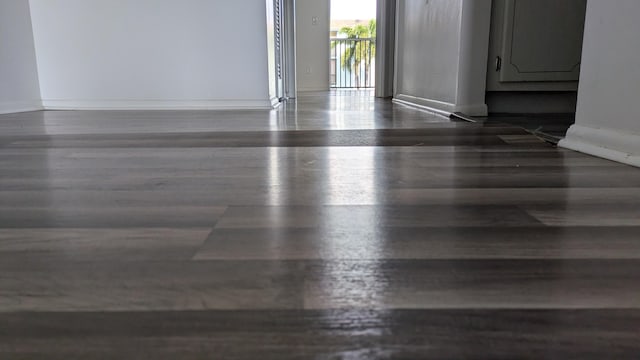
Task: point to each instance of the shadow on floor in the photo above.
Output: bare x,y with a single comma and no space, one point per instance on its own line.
550,127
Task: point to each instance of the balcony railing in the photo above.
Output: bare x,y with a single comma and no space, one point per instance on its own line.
352,63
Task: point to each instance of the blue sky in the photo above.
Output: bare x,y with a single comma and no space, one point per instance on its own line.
353,9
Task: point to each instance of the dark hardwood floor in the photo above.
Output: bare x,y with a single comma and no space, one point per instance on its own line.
337,227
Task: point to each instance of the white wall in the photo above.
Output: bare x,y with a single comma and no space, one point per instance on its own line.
151,53
608,113
312,45
441,54
428,49
19,90
475,28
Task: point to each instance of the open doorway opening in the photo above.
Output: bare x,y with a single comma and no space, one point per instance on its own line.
352,42
362,57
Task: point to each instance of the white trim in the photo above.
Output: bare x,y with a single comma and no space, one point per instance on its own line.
385,47
441,107
605,143
438,107
158,104
290,49
396,48
10,107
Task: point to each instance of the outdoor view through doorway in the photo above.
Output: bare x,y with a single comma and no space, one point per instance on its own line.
353,44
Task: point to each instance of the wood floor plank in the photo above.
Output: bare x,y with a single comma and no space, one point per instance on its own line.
382,243
114,216
368,217
301,195
563,196
473,284
288,159
587,215
332,284
302,138
301,115
66,286
339,334
110,244
343,183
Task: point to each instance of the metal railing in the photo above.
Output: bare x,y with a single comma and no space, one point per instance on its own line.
352,63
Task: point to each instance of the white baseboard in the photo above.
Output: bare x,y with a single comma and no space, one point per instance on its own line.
438,107
158,104
605,143
9,107
441,107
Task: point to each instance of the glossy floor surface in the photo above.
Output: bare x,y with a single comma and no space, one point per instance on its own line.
551,127
337,227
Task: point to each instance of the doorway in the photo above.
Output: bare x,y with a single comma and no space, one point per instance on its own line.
352,43
281,45
306,61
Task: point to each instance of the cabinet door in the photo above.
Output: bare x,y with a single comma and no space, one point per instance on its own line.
542,40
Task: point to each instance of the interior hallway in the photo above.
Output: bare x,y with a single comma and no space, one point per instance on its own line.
335,227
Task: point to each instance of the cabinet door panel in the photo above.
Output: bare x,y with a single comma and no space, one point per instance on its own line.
543,40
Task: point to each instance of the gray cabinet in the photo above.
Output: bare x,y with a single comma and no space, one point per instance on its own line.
541,40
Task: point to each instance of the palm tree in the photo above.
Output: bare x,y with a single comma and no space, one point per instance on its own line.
360,51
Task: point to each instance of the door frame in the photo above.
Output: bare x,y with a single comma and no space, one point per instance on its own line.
289,48
385,47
